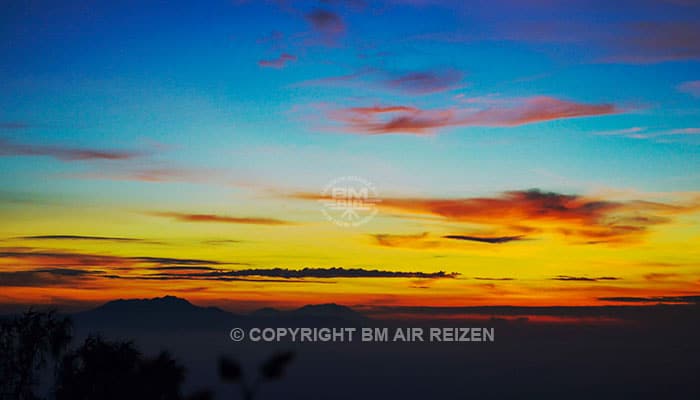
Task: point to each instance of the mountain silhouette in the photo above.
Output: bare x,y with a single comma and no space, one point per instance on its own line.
168,312
266,312
157,304
328,311
177,314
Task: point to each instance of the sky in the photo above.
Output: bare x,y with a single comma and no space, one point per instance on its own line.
533,152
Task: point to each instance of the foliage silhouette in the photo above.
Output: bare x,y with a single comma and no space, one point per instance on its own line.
272,369
101,369
27,342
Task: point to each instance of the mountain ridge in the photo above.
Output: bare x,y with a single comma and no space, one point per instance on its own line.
172,312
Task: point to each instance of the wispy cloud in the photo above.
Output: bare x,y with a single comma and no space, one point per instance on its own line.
157,174
80,237
419,82
174,261
660,276
183,268
326,273
486,239
644,133
633,132
683,131
421,240
221,218
393,119
56,258
279,62
653,41
669,35
37,267
635,42
47,277
695,299
568,278
339,80
426,241
64,153
14,125
481,278
425,82
283,275
690,87
30,256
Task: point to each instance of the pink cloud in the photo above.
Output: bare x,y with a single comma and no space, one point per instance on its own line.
425,82
156,175
279,62
221,218
328,26
644,42
653,42
412,120
64,153
412,83
684,131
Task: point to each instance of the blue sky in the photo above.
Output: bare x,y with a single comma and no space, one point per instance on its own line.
563,135
186,76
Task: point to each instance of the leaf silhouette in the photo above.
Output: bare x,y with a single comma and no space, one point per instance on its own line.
229,370
274,368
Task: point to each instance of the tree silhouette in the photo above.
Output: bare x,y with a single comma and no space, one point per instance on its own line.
272,369
101,369
27,342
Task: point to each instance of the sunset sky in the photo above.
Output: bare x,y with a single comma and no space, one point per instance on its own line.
525,152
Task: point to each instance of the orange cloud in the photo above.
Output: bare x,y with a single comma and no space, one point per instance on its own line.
420,241
583,218
425,241
591,219
379,120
